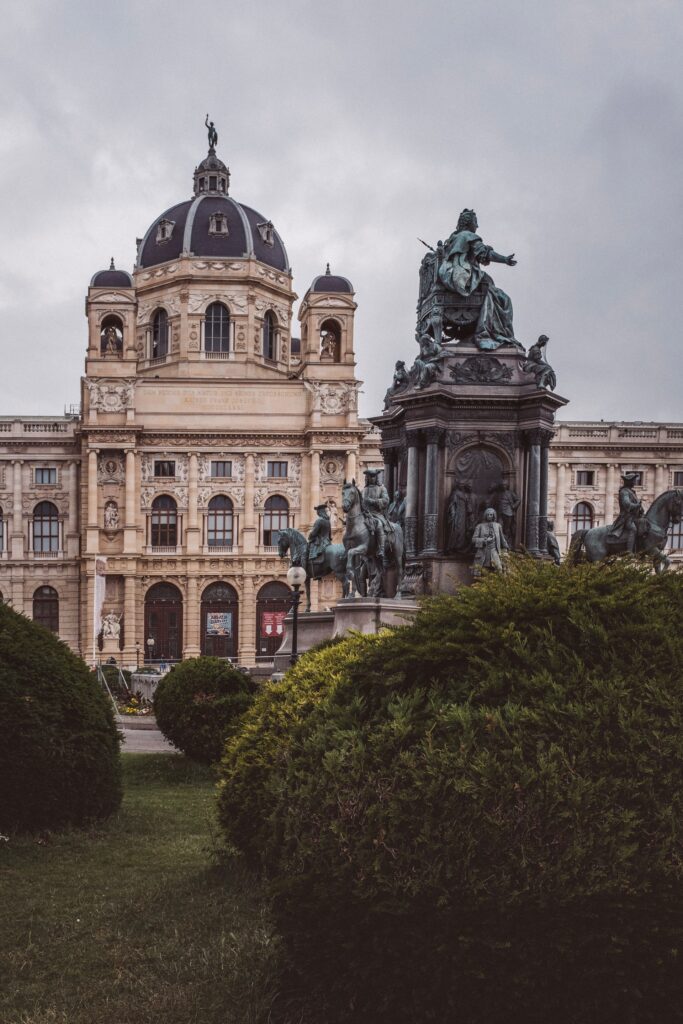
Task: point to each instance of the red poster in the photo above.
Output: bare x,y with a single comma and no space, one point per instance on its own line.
272,624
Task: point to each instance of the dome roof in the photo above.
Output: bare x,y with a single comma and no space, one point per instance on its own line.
111,278
329,282
192,227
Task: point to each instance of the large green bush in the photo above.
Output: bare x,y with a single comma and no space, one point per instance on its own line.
200,703
59,746
477,817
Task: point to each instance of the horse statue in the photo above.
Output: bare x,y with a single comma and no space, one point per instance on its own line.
650,539
365,565
295,543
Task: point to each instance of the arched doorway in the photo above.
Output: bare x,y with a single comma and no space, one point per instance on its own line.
273,602
219,621
163,623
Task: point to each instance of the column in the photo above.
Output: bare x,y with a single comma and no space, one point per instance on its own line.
93,533
411,494
247,623
18,540
546,437
71,545
191,623
192,533
612,490
249,539
130,630
389,456
661,481
130,528
315,484
560,491
431,495
533,503
351,466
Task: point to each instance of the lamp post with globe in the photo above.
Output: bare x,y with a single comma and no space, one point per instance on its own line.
296,577
150,648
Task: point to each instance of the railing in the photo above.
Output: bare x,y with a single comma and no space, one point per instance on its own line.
157,360
588,431
5,428
218,355
220,549
46,428
269,549
163,549
46,554
638,431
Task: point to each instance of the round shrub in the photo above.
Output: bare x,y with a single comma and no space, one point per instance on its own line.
200,703
59,746
478,817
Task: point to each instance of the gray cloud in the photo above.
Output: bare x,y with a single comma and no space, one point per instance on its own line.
356,127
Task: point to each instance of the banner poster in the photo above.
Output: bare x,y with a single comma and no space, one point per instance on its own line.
100,584
219,623
272,624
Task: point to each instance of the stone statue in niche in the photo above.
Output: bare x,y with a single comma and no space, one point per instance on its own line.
489,544
328,347
111,516
536,365
111,341
111,626
460,518
400,382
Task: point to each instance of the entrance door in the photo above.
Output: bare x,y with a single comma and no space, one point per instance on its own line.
164,623
219,621
273,602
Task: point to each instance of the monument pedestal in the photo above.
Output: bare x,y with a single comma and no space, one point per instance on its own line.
312,629
370,614
110,649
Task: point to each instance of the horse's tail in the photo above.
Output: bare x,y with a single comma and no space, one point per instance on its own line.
576,547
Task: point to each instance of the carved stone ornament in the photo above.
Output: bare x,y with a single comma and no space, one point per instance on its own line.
111,395
412,583
481,370
333,399
110,469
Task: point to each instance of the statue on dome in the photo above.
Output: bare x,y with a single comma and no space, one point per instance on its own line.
213,134
460,262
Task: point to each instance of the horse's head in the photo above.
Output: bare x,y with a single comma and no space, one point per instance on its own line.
283,543
350,495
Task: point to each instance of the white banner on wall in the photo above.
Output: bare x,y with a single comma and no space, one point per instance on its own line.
100,583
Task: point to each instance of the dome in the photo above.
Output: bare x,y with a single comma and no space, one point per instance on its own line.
329,282
212,226
111,278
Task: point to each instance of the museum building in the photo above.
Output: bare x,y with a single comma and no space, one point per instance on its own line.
206,427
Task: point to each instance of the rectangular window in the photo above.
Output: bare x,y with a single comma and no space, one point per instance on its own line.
164,468
678,478
277,470
221,469
46,476
585,477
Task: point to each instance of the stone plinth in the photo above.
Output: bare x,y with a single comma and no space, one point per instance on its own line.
313,628
370,614
110,649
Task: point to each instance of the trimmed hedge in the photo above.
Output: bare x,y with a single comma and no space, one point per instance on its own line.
59,746
200,703
477,817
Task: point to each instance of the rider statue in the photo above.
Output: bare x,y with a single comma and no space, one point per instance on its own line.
625,527
375,505
319,539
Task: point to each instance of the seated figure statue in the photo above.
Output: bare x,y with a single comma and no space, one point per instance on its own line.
460,270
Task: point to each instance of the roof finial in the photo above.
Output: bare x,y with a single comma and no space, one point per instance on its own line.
111,265
328,271
213,134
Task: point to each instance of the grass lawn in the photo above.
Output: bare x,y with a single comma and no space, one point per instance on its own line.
136,920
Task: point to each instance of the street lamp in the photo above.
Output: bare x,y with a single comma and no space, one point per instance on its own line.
150,648
296,577
137,655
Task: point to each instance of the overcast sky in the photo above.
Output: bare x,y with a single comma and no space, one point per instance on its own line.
357,126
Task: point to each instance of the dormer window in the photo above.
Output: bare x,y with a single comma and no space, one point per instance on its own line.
267,232
218,224
165,230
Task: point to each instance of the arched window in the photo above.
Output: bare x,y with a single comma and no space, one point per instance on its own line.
164,522
217,328
45,527
111,336
275,518
46,608
219,621
163,623
582,517
219,522
160,334
330,341
270,336
273,602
